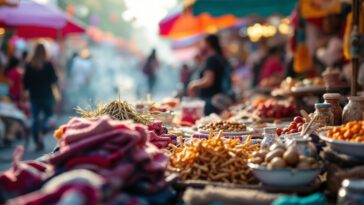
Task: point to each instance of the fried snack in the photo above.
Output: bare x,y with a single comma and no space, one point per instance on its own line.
213,160
226,126
352,132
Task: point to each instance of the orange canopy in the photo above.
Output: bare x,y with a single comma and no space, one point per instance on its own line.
186,25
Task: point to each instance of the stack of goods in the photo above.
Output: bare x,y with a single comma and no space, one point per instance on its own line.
290,83
279,157
226,126
159,136
293,127
274,109
117,110
127,167
352,132
214,160
121,110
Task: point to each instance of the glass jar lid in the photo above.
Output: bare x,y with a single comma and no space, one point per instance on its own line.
331,96
322,105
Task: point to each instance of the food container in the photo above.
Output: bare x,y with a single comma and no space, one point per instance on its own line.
334,100
354,109
192,109
351,192
349,148
288,139
286,177
165,117
304,146
323,114
270,138
332,77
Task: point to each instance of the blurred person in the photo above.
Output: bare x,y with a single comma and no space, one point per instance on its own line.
212,77
4,82
197,67
70,62
24,59
15,74
150,70
272,71
256,59
81,75
40,80
184,78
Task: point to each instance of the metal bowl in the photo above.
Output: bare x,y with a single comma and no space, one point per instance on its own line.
286,177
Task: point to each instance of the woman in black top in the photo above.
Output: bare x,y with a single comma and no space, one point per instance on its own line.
40,81
212,75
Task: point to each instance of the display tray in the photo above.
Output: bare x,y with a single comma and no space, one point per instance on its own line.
248,131
283,119
200,184
349,148
314,88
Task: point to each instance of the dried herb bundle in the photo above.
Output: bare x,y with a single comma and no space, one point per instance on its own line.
118,110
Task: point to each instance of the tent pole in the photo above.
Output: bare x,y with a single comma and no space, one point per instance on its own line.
355,36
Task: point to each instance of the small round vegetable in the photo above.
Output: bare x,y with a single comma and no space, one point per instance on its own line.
298,119
291,157
277,163
261,154
256,160
274,153
277,146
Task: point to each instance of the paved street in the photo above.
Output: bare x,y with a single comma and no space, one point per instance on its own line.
49,141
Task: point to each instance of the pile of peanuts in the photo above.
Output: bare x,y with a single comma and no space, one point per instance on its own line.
226,126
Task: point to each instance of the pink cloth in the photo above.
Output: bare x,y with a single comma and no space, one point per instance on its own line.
16,78
270,67
118,152
23,177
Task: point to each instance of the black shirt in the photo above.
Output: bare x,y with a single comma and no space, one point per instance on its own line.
39,81
215,64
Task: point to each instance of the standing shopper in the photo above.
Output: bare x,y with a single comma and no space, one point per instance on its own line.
213,76
40,81
150,70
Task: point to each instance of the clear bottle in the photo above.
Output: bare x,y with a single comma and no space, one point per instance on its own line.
351,192
269,137
304,147
323,114
354,109
334,100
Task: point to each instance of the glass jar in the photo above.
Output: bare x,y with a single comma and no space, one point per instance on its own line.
351,192
304,147
334,100
323,114
269,137
354,109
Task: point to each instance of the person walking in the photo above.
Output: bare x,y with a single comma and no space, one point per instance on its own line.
150,70
40,80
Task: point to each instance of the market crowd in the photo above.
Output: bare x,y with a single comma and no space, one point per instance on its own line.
217,80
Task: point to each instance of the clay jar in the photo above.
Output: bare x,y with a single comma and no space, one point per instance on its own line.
354,109
334,100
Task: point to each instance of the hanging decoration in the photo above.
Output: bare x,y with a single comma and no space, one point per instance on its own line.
319,8
302,56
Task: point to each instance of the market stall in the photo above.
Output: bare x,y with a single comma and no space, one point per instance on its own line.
260,150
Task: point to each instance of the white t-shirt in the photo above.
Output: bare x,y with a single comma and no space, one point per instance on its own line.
81,71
